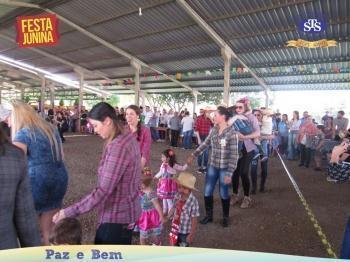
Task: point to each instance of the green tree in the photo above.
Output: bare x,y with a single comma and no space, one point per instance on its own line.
113,100
27,99
214,98
76,102
61,103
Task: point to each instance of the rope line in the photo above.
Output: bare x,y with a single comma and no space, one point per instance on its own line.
310,214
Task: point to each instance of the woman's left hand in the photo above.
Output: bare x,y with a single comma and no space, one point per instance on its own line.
58,216
227,180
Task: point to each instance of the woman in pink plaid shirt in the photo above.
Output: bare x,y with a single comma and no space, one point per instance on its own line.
116,193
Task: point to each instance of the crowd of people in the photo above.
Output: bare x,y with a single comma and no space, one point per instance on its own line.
229,144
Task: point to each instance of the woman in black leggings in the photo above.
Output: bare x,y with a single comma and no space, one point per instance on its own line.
247,153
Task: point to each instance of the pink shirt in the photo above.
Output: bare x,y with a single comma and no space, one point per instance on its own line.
145,142
116,194
248,143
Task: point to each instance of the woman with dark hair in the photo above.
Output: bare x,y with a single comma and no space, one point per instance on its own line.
141,132
247,154
223,161
18,220
294,125
116,194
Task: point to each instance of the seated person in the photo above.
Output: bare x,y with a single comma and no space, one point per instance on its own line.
339,165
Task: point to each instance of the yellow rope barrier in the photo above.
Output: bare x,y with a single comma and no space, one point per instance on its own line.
310,214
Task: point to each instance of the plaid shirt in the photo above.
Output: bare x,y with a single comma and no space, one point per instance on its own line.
224,149
203,125
116,193
189,210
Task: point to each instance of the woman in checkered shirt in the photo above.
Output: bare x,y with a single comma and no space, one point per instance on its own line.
223,161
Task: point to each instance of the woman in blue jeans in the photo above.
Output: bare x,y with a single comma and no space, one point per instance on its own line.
223,161
292,138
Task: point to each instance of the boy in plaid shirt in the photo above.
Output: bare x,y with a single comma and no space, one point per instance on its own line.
185,211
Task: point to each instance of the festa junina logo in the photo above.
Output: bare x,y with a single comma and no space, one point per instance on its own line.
39,30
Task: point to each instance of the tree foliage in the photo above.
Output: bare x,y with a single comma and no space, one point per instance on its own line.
61,103
178,101
114,100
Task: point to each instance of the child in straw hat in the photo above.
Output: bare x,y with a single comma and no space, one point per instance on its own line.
185,211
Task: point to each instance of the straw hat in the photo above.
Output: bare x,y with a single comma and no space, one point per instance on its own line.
187,179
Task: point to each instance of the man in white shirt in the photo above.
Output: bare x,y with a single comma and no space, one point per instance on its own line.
148,115
187,130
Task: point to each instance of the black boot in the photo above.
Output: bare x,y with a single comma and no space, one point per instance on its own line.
262,184
225,211
208,201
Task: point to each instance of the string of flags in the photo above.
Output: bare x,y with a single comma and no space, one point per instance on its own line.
234,71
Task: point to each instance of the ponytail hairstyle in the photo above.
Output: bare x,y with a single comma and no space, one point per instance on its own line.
137,110
169,153
224,111
103,110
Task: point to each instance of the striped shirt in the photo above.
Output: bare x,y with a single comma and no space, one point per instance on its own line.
189,211
116,194
224,149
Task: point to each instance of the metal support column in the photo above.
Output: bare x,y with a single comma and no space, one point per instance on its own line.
137,86
195,101
225,52
22,93
42,96
266,98
81,94
52,95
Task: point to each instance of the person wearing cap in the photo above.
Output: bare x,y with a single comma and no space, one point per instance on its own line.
184,212
4,120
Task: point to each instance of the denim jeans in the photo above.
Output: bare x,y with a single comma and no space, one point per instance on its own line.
254,172
113,234
182,240
154,134
265,146
292,145
202,160
305,155
345,250
213,174
188,139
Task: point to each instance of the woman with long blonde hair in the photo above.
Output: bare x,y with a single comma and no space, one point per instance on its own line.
41,143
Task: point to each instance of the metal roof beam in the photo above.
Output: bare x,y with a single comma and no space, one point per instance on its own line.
94,37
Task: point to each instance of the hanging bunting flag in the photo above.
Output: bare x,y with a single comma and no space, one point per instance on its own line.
274,69
343,70
207,72
239,70
311,44
336,69
314,70
245,70
155,76
322,70
178,76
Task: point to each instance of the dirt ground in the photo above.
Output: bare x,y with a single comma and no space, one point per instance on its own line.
277,222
